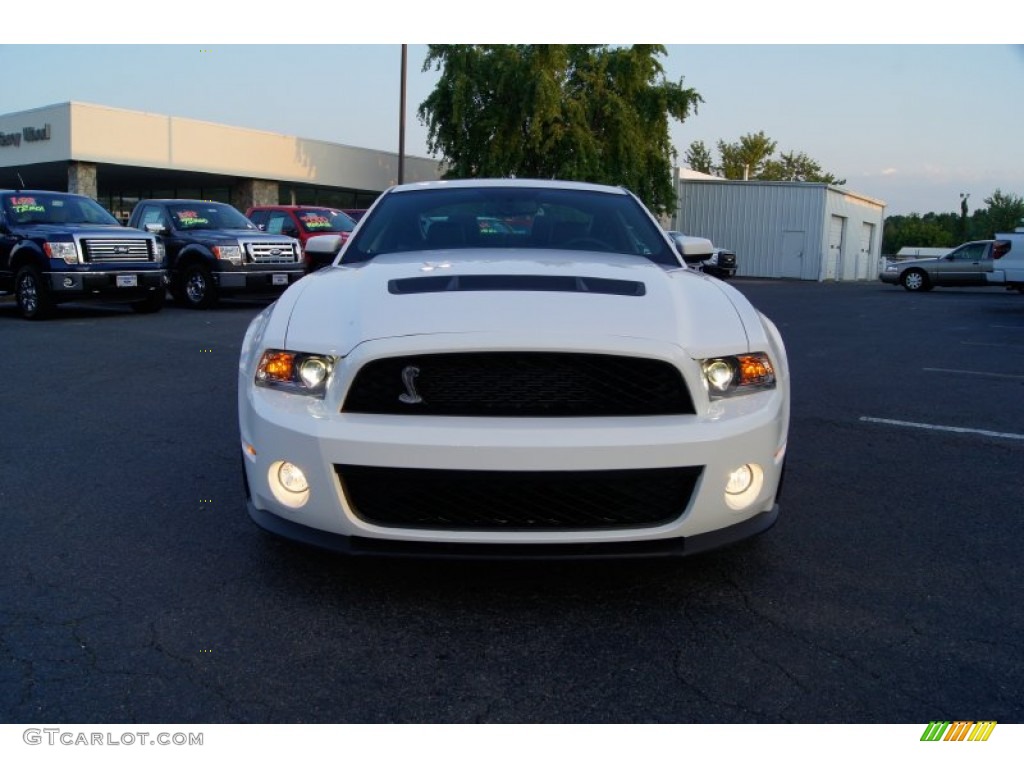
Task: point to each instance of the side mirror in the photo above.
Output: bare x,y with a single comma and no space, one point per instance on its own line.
324,245
157,229
694,250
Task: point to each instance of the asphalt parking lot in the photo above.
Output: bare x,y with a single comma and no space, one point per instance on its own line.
134,589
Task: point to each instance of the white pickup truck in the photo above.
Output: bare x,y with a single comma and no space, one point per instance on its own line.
996,262
1008,268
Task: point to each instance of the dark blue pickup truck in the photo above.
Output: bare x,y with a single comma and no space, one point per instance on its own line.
213,250
57,247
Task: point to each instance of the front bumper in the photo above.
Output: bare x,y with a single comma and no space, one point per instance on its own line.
266,281
892,277
359,546
317,437
106,284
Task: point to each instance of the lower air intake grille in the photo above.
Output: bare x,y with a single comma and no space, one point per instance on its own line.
517,501
524,384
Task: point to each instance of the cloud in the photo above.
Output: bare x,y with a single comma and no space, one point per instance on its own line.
889,171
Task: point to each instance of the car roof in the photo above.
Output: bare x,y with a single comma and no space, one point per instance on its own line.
181,200
510,183
293,207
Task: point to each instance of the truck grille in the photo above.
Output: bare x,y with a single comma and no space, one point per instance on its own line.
517,501
523,384
271,253
114,250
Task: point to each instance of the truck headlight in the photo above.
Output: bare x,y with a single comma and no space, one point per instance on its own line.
66,251
737,374
229,253
298,372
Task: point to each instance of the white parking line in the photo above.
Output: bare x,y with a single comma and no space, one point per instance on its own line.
940,428
991,344
976,373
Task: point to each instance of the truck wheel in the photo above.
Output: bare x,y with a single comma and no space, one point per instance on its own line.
152,303
198,291
915,280
32,294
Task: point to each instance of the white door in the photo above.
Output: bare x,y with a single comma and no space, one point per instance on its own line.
792,254
834,257
864,259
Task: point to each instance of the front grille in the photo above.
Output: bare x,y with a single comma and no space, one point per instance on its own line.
523,384
114,250
517,501
271,253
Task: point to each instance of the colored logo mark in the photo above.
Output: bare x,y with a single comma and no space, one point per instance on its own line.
959,730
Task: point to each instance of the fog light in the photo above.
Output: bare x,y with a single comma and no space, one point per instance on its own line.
288,484
743,485
739,480
291,478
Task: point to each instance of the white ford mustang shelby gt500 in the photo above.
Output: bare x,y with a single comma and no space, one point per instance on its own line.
512,368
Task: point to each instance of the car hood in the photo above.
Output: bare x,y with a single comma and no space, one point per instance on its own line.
78,230
334,310
917,262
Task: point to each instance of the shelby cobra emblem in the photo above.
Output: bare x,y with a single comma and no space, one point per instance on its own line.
410,396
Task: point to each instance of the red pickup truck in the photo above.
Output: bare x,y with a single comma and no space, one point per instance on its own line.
303,222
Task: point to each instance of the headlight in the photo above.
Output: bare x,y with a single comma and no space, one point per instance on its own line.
66,251
737,375
230,253
159,252
298,372
891,268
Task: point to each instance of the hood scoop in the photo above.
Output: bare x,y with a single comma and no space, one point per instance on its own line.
549,283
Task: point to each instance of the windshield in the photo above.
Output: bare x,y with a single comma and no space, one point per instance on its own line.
320,220
198,215
510,217
41,208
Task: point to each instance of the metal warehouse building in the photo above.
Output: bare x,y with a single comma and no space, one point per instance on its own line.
800,230
118,156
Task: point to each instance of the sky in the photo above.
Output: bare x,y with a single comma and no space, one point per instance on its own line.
910,116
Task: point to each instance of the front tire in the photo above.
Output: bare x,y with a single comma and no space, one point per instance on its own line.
32,294
197,289
915,280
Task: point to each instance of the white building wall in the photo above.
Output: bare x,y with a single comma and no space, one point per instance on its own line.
99,134
781,229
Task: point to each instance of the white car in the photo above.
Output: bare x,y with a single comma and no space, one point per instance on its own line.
562,385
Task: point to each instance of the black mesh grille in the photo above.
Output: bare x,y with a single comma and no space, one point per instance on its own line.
519,384
517,501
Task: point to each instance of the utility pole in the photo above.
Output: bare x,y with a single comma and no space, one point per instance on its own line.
401,119
963,216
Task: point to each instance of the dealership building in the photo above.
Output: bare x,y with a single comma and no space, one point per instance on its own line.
120,156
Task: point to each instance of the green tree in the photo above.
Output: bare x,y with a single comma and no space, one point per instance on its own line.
915,230
797,166
1004,214
698,157
747,157
583,112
